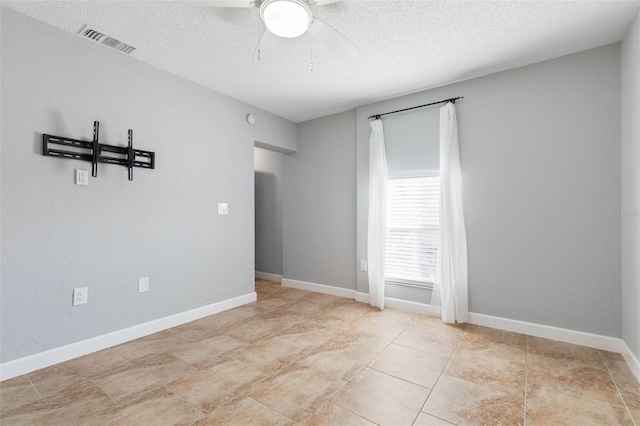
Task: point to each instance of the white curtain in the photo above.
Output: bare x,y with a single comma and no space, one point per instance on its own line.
450,291
377,214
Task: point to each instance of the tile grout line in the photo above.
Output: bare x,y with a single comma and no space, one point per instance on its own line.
420,410
615,383
274,334
34,386
346,383
267,376
277,411
328,400
425,352
443,370
303,354
273,409
184,399
348,411
400,378
526,378
368,365
581,396
105,392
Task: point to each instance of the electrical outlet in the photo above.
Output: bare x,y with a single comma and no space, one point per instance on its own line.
223,208
80,296
143,284
364,265
82,177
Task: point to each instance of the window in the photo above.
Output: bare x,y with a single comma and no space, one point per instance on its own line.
413,229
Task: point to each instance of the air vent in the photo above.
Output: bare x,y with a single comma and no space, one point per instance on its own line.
99,37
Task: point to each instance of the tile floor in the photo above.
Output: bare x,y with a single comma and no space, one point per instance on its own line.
296,357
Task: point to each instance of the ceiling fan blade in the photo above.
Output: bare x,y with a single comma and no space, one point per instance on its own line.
221,3
323,2
331,38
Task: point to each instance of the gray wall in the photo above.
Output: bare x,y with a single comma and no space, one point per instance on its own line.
319,196
57,236
268,201
540,155
631,187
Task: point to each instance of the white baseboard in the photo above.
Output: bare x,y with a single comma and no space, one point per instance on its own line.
44,359
596,341
632,360
319,288
405,305
362,297
267,276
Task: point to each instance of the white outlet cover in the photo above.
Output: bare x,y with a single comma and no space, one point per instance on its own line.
82,177
80,295
143,284
223,208
364,265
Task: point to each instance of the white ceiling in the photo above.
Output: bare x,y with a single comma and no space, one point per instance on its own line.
405,46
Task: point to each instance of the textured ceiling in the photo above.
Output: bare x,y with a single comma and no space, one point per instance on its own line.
404,46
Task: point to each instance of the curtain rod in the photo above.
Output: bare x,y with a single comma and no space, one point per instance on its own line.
377,116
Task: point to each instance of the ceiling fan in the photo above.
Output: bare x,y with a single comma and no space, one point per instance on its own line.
289,19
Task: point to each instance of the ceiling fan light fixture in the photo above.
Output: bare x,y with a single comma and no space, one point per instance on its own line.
286,18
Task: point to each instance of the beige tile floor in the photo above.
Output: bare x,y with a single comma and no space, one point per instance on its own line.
296,357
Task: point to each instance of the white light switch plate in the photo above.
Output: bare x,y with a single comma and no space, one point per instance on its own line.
143,284
80,295
223,208
82,177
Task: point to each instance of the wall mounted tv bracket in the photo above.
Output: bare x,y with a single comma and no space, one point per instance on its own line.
94,152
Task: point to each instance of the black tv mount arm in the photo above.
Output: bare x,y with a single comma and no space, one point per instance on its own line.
94,152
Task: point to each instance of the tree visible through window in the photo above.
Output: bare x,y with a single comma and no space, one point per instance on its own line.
413,229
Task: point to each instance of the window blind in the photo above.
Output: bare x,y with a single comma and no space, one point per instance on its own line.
413,229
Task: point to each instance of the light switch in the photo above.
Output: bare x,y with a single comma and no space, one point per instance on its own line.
143,284
223,208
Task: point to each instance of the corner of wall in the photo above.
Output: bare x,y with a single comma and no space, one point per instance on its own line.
630,187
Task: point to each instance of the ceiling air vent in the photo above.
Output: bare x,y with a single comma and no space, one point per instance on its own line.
99,37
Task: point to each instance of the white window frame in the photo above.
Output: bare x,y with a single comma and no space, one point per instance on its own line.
408,175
